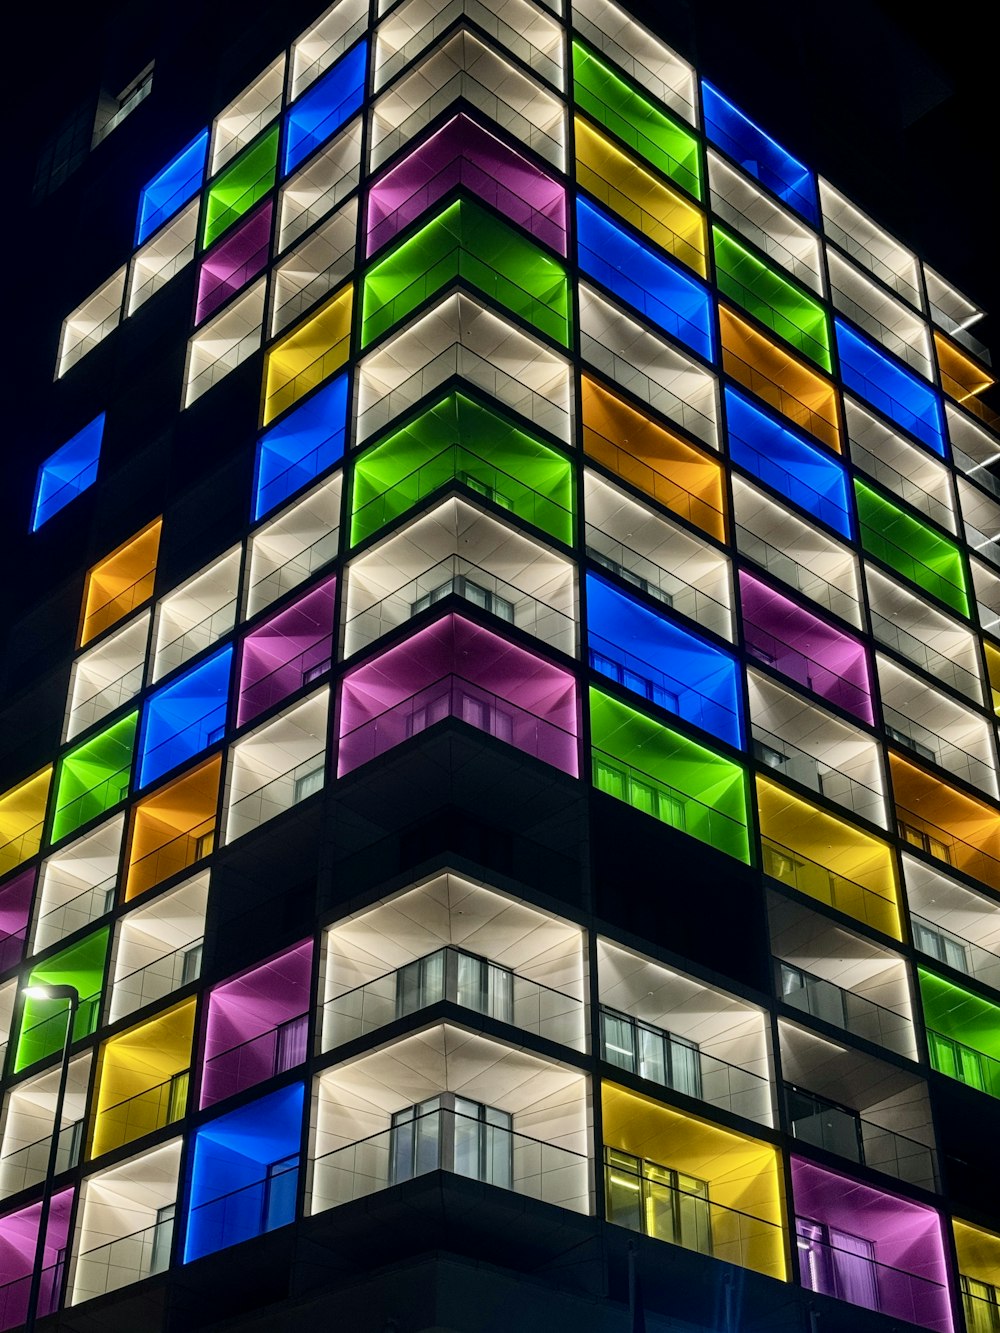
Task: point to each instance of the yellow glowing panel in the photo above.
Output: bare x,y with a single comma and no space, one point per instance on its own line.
22,815
641,198
827,858
993,668
743,1174
805,397
173,828
309,354
142,1079
961,377
651,458
942,821
978,1252
116,585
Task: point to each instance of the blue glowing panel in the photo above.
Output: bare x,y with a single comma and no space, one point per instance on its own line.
301,446
185,716
757,153
244,1173
808,476
658,660
67,472
649,283
325,107
171,188
886,384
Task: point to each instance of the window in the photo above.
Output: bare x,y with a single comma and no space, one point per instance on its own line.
280,1185
111,110
902,738
651,1052
472,592
191,963
770,757
657,1200
163,1234
925,842
483,488
451,1133
451,974
307,783
945,948
981,1303
957,1061
837,1263
291,1043
821,999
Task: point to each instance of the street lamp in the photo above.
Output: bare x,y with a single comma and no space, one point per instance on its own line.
45,991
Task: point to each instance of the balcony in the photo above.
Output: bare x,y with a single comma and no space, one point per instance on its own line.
106,677
277,765
312,194
889,322
29,1112
196,615
315,268
18,1242
883,382
44,1022
22,816
316,49
301,360
760,220
285,652
911,549
955,1018
942,647
233,262
857,1106
78,883
410,572
869,246
946,824
90,323
643,57
243,119
475,1132
953,924
224,343
648,368
833,1004
296,543
162,257
904,469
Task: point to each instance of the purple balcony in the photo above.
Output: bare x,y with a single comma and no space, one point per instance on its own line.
15,909
805,648
257,1025
463,153
454,668
870,1248
286,652
231,264
18,1240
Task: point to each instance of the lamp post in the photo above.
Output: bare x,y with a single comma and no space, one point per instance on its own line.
72,996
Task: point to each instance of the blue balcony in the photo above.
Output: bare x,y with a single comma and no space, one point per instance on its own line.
301,446
171,188
887,385
185,717
67,472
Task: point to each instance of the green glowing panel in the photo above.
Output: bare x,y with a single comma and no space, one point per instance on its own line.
458,439
963,1033
43,1022
630,116
93,777
781,305
912,548
466,242
664,774
236,189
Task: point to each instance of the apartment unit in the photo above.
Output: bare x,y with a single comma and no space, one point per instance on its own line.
512,835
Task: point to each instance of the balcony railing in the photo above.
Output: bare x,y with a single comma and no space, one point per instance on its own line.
536,1169
961,954
854,1277
14,1295
928,744
658,1055
788,760
228,353
85,712
293,570
900,345
908,566
934,663
453,696
80,911
978,472
765,241
873,263
196,735
796,409
974,1068
982,1313
943,845
658,583
460,577
189,846
907,489
816,1121
264,692
276,796
121,1262
831,596
652,226
51,1031
142,1113
843,1009
162,977
95,801
29,1165
464,362
295,292
493,990
180,649
808,671
815,880
626,464
250,1211
260,1057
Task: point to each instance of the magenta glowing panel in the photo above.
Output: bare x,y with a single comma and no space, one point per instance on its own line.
463,153
458,669
15,909
232,263
870,1247
806,649
257,1024
18,1242
286,652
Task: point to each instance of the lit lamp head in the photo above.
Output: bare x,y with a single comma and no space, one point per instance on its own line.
45,991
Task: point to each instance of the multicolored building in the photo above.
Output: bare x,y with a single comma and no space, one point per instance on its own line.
541,853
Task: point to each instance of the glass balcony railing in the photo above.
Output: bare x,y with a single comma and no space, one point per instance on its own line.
141,1114
821,424
14,1295
982,1312
852,1276
226,354
673,1062
121,1262
808,671
29,1165
264,692
89,804
461,578
943,845
160,978
872,263
899,484
817,1121
262,1206
786,759
961,954
273,798
831,596
904,346
12,950
294,569
260,1057
85,712
193,640
171,857
660,584
833,1004
453,696
56,922
928,744
919,652
524,1165
815,880
464,979
47,1036
295,293
461,361
765,241
978,472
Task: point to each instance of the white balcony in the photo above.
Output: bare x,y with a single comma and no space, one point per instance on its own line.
313,269
91,322
869,246
903,468
277,765
162,257
986,583
159,947
634,49
224,343
898,328
106,677
197,614
953,924
981,522
316,189
952,311
78,884
296,543
760,219
28,1120
244,118
325,41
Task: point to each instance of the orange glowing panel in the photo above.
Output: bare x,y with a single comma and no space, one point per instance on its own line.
801,394
173,828
120,582
945,823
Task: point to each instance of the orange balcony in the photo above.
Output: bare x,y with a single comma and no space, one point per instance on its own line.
173,828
